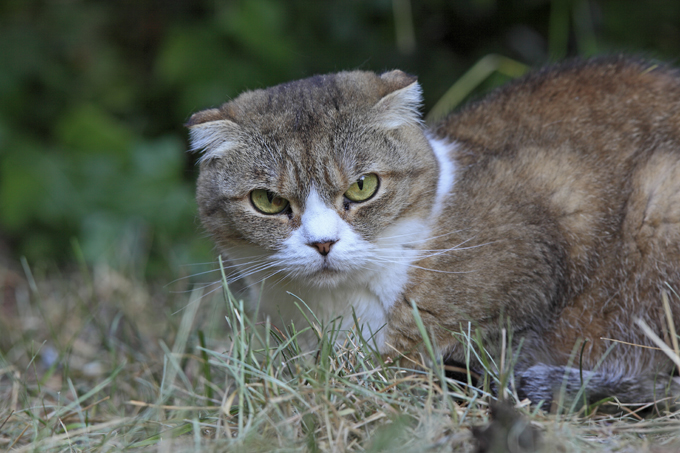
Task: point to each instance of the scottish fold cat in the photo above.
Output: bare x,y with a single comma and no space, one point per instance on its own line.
553,203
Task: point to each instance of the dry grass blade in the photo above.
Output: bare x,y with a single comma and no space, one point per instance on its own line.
7,418
671,324
658,341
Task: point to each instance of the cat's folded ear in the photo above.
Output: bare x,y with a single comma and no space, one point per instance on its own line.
210,132
401,105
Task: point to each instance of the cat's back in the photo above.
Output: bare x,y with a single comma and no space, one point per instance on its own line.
593,146
584,101
568,194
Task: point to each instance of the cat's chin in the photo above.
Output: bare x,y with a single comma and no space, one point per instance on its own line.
328,279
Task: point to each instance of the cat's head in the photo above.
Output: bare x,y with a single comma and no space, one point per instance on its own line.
324,179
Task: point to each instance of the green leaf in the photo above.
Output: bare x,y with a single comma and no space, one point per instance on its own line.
20,187
88,128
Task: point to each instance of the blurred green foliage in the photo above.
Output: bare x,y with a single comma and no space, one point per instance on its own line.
93,93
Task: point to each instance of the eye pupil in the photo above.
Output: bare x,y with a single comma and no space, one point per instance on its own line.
363,188
268,202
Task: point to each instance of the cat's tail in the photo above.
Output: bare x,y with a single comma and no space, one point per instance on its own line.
574,388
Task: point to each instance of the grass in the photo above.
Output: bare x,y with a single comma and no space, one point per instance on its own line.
96,360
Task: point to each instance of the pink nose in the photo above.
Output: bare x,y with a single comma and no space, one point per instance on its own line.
323,247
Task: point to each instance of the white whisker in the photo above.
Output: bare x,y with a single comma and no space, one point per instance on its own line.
424,239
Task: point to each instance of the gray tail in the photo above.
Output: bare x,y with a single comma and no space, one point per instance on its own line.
574,388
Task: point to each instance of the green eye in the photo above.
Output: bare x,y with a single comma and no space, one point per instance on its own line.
267,202
364,188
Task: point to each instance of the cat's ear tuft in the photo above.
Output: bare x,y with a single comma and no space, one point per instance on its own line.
204,116
401,105
210,132
398,79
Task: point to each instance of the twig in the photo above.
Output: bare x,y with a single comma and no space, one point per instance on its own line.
630,344
10,414
17,439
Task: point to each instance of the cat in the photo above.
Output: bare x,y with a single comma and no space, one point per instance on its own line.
552,203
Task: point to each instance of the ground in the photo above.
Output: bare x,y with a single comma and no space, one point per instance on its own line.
97,359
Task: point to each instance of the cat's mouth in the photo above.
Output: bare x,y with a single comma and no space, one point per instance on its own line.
326,266
307,265
326,274
328,269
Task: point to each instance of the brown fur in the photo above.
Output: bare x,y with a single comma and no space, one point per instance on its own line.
571,181
566,204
